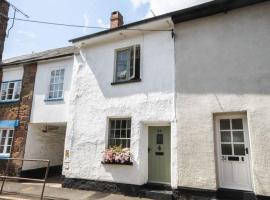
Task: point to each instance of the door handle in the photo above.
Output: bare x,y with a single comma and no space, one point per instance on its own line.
246,150
149,150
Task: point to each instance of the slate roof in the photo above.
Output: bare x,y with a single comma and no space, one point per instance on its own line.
44,55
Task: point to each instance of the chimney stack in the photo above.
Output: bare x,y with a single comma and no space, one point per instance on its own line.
4,7
116,19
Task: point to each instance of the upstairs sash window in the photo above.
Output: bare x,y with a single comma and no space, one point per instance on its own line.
10,90
127,64
56,87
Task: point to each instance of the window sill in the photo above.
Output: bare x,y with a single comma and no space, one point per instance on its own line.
50,100
125,82
114,163
4,156
9,101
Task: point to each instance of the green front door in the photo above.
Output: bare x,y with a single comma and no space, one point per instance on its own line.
159,155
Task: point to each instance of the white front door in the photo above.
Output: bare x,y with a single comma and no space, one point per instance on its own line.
233,152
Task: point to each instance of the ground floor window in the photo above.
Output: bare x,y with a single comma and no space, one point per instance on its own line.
119,132
6,138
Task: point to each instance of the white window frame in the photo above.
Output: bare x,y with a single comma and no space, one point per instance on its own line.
59,83
17,87
6,145
128,70
110,129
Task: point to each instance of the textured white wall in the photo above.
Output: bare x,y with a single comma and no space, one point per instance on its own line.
51,111
222,65
94,100
40,145
12,73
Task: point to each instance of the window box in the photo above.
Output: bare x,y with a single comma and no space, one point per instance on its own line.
114,163
50,100
117,155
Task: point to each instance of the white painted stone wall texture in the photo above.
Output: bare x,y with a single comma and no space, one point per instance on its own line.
95,100
44,145
51,111
222,65
12,73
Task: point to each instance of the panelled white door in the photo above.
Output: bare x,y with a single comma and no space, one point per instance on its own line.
233,152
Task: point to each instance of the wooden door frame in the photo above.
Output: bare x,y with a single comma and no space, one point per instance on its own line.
242,115
163,124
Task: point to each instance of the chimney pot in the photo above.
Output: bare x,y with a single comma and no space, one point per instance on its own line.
116,19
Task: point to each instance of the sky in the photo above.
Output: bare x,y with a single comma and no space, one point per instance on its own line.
25,37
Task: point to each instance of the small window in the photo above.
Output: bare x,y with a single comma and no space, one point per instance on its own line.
6,138
127,65
11,90
119,133
56,86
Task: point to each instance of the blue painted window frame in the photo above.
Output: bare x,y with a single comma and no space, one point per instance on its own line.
15,88
6,142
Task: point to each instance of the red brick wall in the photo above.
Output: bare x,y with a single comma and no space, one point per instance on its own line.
20,111
4,7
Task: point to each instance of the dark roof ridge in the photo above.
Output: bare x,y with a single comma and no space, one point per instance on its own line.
197,11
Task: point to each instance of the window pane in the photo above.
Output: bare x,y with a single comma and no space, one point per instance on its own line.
129,123
118,124
159,138
117,134
8,149
122,65
226,149
124,143
238,136
4,133
1,149
112,124
239,149
112,143
237,123
9,141
60,94
4,91
225,136
128,133
225,124
3,141
124,124
123,133
117,142
112,134
131,70
18,90
11,133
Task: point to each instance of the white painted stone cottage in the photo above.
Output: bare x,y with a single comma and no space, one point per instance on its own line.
190,100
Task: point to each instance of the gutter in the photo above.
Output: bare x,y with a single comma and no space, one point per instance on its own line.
34,60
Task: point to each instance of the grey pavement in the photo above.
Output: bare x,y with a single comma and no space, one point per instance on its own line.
32,191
